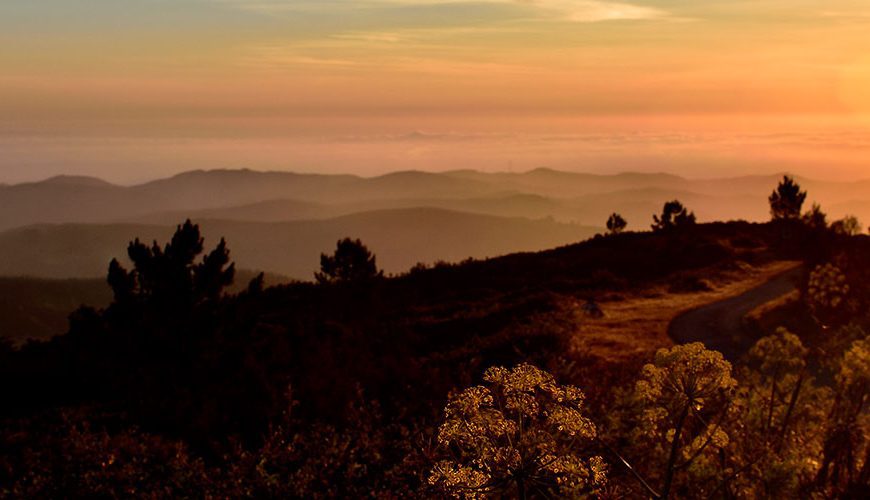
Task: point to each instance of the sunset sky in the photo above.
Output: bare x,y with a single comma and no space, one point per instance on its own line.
136,89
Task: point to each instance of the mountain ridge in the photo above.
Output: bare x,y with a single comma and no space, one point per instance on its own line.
198,173
89,200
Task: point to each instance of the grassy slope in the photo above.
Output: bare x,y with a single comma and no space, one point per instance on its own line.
636,323
454,321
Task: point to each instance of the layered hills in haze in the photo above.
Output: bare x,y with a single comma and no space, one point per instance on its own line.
70,227
400,238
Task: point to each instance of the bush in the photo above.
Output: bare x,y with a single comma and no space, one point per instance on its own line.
847,226
521,432
827,291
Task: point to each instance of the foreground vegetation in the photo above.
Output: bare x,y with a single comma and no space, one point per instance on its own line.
457,380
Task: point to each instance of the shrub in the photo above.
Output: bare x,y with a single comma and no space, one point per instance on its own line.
521,432
827,290
676,406
815,219
847,226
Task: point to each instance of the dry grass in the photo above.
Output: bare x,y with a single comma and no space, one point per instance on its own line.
636,325
764,310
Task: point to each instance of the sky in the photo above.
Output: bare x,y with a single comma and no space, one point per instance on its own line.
137,89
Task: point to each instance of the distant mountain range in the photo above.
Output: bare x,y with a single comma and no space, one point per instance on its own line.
280,222
281,196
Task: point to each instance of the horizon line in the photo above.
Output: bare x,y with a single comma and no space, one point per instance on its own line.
420,171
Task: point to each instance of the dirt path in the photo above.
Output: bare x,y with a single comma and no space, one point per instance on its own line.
719,325
636,324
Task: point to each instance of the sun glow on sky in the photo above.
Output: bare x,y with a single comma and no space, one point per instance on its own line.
132,90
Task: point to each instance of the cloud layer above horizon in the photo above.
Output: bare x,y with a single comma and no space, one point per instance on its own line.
230,71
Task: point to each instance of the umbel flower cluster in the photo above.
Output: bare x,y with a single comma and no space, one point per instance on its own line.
520,433
827,288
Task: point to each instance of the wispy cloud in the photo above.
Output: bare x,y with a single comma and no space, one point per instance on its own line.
846,15
285,57
370,37
274,56
583,11
598,11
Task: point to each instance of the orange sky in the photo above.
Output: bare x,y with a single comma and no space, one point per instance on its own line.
134,90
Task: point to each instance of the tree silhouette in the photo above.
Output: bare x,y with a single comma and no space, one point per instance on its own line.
815,219
352,262
257,284
847,226
179,356
616,224
168,277
787,199
674,215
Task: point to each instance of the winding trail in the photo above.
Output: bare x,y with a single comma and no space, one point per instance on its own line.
719,325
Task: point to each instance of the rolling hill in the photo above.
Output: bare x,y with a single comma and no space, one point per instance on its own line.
400,239
38,308
637,206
